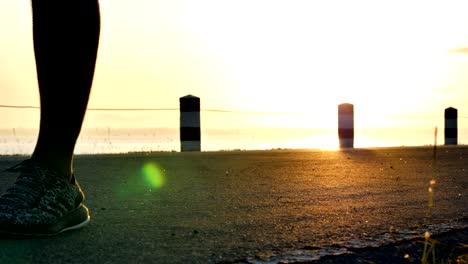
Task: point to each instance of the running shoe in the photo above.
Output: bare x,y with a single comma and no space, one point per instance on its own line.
42,202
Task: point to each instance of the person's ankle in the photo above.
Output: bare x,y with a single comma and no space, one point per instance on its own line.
63,167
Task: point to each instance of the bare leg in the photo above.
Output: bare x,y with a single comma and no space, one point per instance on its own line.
66,38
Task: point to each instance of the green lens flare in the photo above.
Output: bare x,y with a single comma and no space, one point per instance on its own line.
153,175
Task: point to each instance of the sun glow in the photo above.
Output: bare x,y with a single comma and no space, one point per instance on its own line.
311,59
298,59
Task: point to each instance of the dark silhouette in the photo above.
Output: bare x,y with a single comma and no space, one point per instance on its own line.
346,125
451,126
66,35
46,199
190,133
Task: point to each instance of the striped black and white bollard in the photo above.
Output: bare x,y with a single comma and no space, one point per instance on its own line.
451,129
346,125
190,123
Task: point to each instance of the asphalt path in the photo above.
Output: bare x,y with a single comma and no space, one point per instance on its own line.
250,206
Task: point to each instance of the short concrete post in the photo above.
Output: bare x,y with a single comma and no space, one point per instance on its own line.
451,128
190,123
346,125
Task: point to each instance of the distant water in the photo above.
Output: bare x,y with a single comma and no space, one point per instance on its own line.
16,141
96,141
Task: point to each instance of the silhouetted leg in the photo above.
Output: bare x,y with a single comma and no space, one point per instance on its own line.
66,37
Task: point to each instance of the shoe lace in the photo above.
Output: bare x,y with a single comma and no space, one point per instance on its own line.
25,190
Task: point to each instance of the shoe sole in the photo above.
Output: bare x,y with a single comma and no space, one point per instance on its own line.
83,210
76,219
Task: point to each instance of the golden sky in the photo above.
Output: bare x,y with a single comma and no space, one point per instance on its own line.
389,58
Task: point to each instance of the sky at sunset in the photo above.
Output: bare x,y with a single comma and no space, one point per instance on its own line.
401,63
